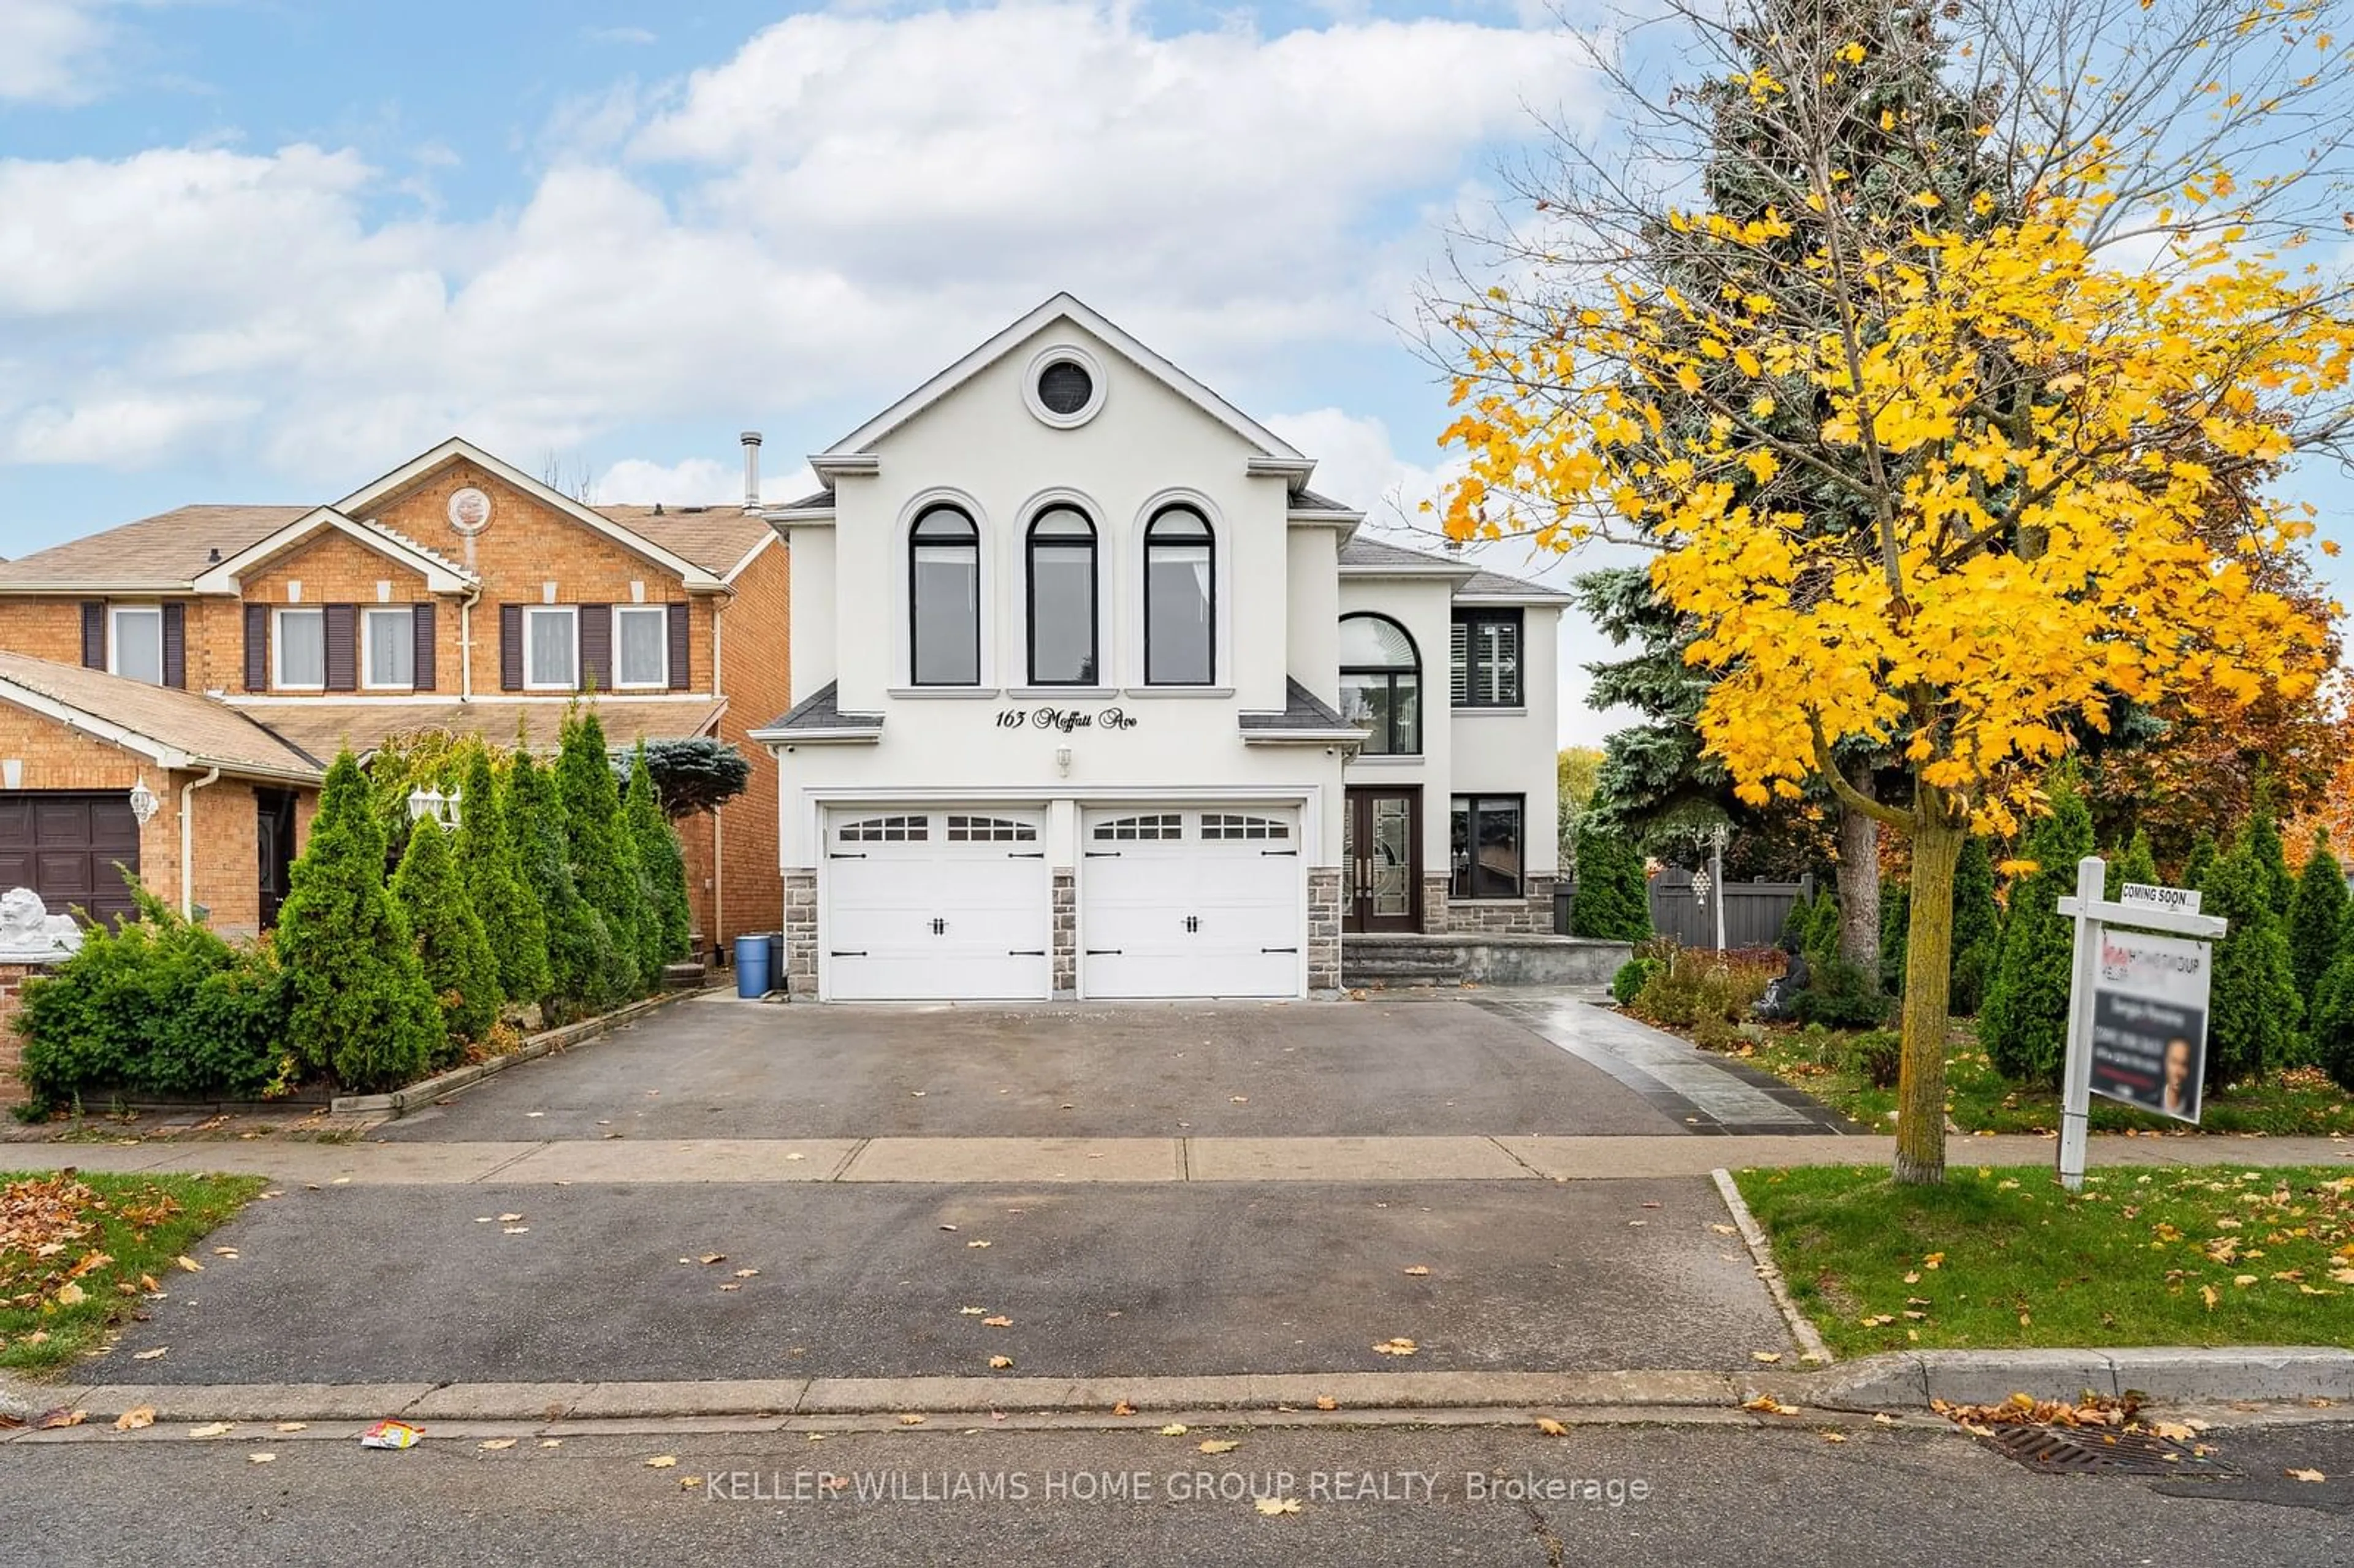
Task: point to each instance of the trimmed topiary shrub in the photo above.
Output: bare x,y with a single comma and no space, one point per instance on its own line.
2024,1023
450,945
1839,995
1632,977
2333,1020
1613,899
604,862
583,976
2317,922
361,1008
490,866
2254,1013
1876,1055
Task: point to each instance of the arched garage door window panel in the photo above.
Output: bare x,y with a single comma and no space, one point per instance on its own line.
944,599
1153,825
965,830
887,831
1380,684
1227,825
1063,631
1181,600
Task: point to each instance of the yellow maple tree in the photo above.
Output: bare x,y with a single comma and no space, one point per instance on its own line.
1933,461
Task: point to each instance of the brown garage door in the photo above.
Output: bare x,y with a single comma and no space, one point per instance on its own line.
65,845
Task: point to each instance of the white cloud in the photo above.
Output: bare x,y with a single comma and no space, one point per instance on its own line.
693,482
47,50
637,36
1357,464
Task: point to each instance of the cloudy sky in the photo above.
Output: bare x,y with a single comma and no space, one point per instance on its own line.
252,250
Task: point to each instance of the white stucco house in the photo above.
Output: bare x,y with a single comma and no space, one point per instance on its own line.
1093,697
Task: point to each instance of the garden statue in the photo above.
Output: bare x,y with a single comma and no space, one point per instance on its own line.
29,933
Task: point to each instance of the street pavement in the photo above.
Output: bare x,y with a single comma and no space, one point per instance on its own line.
1373,1496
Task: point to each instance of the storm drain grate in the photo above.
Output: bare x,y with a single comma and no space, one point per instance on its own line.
2079,1452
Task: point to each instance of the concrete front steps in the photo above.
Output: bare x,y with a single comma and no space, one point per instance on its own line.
1401,960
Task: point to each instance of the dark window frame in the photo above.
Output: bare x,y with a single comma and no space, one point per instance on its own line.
970,541
1389,675
1033,542
1461,887
1207,539
1470,620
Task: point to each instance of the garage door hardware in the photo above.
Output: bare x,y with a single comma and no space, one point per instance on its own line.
840,953
1292,851
1025,952
1026,854
1193,922
1278,950
939,927
1100,855
846,854
1103,952
2071,1451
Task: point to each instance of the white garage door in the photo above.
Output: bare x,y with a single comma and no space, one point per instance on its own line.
1191,902
933,904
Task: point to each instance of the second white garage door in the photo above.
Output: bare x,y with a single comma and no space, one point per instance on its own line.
936,906
1190,902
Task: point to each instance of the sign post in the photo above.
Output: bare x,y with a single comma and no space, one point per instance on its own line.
2137,1006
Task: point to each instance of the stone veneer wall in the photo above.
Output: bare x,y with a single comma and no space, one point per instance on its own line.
1324,928
12,1046
800,934
1528,915
1066,934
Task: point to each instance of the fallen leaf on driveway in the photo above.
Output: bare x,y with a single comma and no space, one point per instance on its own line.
293,1427
1551,1428
948,1227
210,1429
1326,1402
1769,1357
731,1285
712,1257
1766,1405
1220,1445
972,1311
1174,1430
498,1445
911,1421
747,1274
157,1354
1271,1507
551,1442
1241,1100
135,1420
1123,1408
662,1462
998,1363
514,1230
2304,1475
262,1458
1883,1419
976,1243
231,1252
509,1219
1395,1347
1418,1270
51,1420
797,1157
1834,1436
998,1323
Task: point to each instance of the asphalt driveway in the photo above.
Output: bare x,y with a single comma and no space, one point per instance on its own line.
717,1067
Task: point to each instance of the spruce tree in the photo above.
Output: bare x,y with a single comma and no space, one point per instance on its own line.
2253,1011
582,977
604,864
491,865
361,1010
662,861
1613,900
2317,922
459,965
1977,927
2024,1023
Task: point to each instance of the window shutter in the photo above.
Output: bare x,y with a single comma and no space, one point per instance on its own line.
1459,676
682,648
597,647
175,645
93,634
257,648
1506,664
424,673
343,627
511,647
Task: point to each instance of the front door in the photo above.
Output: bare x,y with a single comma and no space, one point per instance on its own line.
1383,851
273,840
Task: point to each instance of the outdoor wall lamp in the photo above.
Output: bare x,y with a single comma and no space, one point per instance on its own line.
1063,759
144,804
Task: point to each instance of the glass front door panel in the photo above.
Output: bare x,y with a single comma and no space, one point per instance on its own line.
1393,882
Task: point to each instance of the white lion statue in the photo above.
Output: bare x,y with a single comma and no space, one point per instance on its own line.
28,929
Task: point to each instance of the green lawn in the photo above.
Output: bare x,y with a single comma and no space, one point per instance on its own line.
2001,1257
79,1250
1980,1099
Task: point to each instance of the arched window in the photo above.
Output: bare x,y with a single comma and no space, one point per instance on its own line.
1062,598
1380,684
944,599
1181,600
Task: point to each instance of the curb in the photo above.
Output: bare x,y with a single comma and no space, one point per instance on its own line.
1894,1383
400,1102
1761,1251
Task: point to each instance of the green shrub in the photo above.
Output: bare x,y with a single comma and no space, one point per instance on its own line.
1875,1056
361,1010
1977,929
456,956
2261,837
2200,860
1691,986
155,1007
1839,995
583,976
2024,1024
2254,1015
2317,922
1896,919
492,869
604,862
1796,923
663,863
1632,977
1613,900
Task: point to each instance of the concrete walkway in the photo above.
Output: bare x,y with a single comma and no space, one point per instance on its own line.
1105,1160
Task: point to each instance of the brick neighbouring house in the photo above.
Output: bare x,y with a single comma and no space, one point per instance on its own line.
456,592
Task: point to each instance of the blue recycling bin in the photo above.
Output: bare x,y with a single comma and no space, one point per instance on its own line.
752,970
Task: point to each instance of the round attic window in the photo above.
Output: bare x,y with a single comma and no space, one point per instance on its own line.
1064,387
470,511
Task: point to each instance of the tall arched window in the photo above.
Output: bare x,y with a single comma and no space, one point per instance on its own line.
1181,600
944,599
1380,684
1062,641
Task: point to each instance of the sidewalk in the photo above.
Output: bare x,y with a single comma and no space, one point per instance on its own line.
1106,1159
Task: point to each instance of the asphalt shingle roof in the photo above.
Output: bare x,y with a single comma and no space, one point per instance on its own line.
209,730
170,548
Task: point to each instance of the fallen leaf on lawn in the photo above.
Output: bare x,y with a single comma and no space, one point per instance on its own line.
1418,1270
1914,1277
1174,1430
1271,1507
210,1429
2207,1293
2244,1280
262,1458
1395,1347
135,1420
1326,1402
712,1257
911,1420
157,1354
1123,1408
1769,1357
976,1243
998,1363
51,1420
662,1462
498,1445
1551,1428
1935,1260
2304,1475
71,1295
292,1426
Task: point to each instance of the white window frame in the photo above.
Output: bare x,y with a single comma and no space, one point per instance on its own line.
571,613
660,613
278,677
114,615
368,648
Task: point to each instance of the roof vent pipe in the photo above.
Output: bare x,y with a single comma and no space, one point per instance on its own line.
751,439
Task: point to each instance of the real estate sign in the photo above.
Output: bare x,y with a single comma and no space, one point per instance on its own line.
2149,1020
